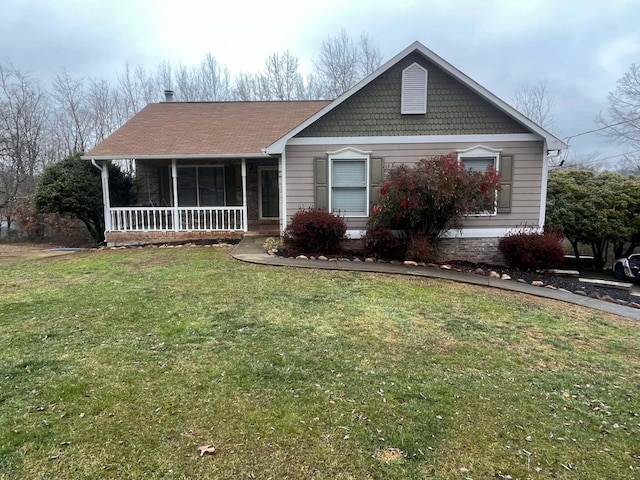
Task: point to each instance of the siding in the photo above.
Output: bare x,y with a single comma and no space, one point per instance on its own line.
527,177
452,109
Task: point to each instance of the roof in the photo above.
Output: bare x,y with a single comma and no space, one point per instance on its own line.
204,129
551,141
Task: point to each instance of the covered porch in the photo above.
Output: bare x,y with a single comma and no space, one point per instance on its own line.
196,199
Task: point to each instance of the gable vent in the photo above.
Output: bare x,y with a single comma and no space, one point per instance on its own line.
414,90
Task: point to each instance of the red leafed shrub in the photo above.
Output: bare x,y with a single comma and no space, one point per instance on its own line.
432,196
314,231
380,242
421,249
532,251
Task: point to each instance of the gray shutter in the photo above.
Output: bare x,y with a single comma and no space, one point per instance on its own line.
376,174
322,183
504,196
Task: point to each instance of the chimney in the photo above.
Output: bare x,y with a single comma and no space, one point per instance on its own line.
168,95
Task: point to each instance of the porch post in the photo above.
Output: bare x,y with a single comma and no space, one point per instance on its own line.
245,220
282,187
174,179
106,201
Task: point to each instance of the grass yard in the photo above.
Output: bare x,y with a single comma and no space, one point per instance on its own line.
120,364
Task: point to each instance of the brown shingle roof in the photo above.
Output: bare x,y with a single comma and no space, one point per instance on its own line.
207,128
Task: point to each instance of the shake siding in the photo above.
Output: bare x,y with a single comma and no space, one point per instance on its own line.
527,177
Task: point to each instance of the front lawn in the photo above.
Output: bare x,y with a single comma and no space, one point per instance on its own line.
121,363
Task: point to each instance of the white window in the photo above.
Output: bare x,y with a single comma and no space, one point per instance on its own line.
478,159
349,186
414,90
201,186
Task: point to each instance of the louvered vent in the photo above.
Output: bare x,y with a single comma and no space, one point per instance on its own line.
414,90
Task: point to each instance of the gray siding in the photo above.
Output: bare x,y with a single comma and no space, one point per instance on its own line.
452,109
528,158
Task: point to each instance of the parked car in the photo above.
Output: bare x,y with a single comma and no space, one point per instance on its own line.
627,268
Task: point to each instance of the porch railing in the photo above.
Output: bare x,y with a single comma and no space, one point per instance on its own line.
144,219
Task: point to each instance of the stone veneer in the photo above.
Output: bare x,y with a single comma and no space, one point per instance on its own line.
477,250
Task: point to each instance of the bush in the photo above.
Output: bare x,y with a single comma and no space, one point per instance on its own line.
431,197
532,251
314,231
421,249
380,242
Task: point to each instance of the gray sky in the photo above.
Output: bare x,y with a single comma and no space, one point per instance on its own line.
580,48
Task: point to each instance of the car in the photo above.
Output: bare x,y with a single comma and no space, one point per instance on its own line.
627,268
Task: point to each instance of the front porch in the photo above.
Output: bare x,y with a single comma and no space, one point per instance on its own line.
196,200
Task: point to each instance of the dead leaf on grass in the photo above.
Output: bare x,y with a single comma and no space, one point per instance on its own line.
389,454
206,450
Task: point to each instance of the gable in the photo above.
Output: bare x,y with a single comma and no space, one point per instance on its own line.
452,109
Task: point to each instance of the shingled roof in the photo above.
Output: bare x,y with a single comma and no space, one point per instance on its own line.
204,129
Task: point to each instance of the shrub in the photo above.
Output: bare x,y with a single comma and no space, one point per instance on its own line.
380,242
432,196
312,231
421,249
527,250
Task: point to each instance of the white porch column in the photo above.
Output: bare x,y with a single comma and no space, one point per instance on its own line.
282,185
106,201
245,220
174,179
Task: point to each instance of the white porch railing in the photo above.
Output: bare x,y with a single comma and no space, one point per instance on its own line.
144,219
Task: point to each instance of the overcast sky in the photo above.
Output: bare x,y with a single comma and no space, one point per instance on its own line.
580,48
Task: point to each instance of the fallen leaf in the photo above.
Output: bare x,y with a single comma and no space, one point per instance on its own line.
206,449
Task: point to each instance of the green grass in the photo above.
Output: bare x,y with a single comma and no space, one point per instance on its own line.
120,364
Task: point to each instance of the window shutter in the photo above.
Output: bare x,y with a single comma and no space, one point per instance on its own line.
322,183
414,90
376,174
504,196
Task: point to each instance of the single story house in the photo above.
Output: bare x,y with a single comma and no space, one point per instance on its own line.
210,169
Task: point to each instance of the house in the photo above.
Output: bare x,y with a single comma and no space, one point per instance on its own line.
225,168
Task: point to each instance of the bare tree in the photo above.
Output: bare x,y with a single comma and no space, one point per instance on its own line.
282,78
536,103
73,121
250,87
585,161
102,104
622,119
23,120
214,81
342,63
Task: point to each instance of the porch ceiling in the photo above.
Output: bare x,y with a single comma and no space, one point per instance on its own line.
204,129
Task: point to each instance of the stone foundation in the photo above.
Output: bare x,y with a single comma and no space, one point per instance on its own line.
476,250
123,239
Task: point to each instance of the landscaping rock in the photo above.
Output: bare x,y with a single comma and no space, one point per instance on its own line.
595,295
607,298
370,260
445,267
582,293
494,274
322,257
550,287
634,305
537,283
410,263
504,276
302,257
521,280
357,259
479,271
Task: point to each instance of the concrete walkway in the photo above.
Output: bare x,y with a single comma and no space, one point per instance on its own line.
250,250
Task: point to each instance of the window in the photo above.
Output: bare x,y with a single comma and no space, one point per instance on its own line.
414,90
349,188
478,159
201,186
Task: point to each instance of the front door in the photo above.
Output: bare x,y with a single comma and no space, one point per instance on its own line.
268,193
